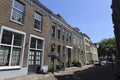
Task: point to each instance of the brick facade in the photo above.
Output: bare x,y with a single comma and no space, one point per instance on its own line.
64,46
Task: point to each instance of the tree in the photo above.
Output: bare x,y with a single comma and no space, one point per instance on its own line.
107,47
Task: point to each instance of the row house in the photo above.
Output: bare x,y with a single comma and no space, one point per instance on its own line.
86,39
29,32
24,33
78,45
94,52
90,50
61,36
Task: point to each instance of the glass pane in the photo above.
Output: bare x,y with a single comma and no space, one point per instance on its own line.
33,43
53,31
17,39
37,62
39,44
59,28
4,56
37,24
59,34
38,17
38,56
18,5
6,37
31,58
17,15
15,56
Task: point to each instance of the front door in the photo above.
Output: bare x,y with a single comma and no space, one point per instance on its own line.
69,57
34,61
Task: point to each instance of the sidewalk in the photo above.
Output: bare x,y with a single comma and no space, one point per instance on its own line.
50,76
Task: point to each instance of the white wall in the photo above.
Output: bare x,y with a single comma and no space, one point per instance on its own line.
12,73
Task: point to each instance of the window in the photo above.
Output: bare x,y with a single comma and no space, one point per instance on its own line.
53,30
17,11
59,51
59,32
70,37
63,35
67,36
11,48
63,49
36,44
38,21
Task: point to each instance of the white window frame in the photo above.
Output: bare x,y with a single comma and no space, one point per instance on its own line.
22,49
21,23
41,21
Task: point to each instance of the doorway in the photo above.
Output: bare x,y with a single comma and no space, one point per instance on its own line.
34,61
69,57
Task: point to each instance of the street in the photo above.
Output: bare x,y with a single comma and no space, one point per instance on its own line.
105,72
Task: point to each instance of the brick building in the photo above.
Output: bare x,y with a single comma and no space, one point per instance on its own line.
28,31
94,52
86,39
78,45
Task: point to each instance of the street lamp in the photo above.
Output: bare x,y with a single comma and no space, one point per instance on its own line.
53,55
53,47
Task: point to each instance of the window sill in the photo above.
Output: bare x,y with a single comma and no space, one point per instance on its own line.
37,30
9,67
16,22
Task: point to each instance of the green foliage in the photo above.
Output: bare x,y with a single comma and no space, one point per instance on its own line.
107,47
77,63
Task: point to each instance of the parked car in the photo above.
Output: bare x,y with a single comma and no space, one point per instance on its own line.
100,62
97,62
103,62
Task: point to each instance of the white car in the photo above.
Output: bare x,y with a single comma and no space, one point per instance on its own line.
97,63
103,62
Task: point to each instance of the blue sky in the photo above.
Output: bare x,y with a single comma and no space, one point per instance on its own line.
92,17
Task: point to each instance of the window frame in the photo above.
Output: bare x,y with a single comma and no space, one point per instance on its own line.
41,21
59,32
67,36
53,25
22,48
70,37
14,8
36,44
63,34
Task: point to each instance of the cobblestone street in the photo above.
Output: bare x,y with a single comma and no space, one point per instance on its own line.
89,72
50,76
